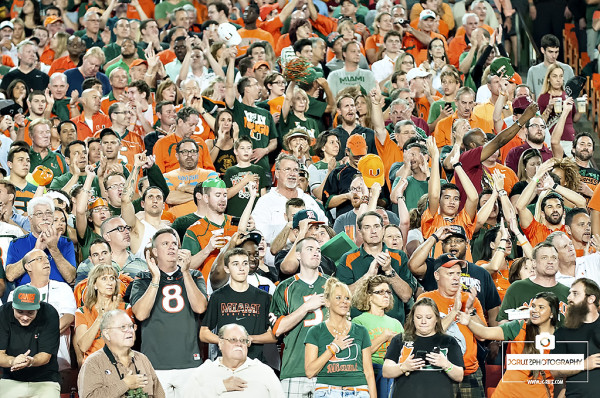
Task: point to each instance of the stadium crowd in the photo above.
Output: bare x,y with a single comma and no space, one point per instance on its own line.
300,199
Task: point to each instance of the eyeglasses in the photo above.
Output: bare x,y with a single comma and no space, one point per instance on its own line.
538,126
235,341
117,186
186,152
281,82
120,228
382,292
356,189
290,170
123,112
125,328
42,214
408,62
38,259
99,209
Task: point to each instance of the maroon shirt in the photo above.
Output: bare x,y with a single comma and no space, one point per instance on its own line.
513,156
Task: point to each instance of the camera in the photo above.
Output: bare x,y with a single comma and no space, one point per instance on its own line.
401,21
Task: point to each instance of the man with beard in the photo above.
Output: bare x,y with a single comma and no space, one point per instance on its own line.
129,54
122,31
241,303
583,151
360,196
536,133
34,78
91,119
373,258
454,242
304,224
581,332
336,191
75,48
143,228
210,233
43,236
552,205
269,212
579,227
521,292
346,108
181,181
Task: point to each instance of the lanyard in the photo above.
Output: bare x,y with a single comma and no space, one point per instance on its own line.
112,360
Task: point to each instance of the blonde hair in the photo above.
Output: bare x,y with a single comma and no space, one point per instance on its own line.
332,284
546,85
91,294
95,52
61,46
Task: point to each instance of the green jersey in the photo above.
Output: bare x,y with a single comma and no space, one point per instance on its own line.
376,325
345,369
521,293
256,123
288,297
294,121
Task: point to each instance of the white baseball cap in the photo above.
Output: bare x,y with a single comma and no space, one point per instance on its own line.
416,72
229,33
7,24
427,14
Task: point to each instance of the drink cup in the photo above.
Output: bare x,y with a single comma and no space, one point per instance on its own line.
581,104
558,105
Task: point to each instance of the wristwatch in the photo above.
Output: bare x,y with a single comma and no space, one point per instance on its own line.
391,274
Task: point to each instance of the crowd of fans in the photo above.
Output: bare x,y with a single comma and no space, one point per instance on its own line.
297,199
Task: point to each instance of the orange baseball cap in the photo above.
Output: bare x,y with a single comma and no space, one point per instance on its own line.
52,19
265,11
138,62
372,170
357,145
259,64
97,202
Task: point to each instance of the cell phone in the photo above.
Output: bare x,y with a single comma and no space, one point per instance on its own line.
235,221
514,314
421,354
436,350
447,105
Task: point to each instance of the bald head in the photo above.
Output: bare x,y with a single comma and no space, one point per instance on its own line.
33,254
474,138
91,99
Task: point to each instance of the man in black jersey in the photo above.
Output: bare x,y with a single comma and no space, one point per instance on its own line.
167,300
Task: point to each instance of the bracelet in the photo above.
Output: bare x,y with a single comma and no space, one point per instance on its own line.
330,349
156,285
523,243
502,249
434,236
519,124
391,274
554,186
338,349
215,146
449,369
455,165
502,192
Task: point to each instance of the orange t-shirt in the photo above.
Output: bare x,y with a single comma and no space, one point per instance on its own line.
417,49
80,288
443,130
499,277
510,178
60,65
431,223
273,27
99,121
374,42
390,153
461,30
47,56
515,142
166,56
83,316
594,203
148,7
445,305
457,46
131,145
537,232
422,105
251,36
164,150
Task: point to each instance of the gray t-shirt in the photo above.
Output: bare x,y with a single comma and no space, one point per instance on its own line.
349,219
536,74
341,78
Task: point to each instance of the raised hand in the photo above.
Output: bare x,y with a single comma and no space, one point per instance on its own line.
184,259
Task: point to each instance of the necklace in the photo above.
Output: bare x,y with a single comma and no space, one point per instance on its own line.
339,332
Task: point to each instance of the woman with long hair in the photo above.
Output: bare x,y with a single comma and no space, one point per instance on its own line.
404,62
381,26
522,268
551,102
293,112
58,44
31,16
363,110
437,59
337,351
544,318
424,361
101,296
168,91
374,297
529,162
326,148
18,91
221,147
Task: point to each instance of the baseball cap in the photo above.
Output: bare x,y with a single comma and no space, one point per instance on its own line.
98,202
253,236
52,19
229,34
371,168
447,260
458,231
214,183
502,66
7,24
26,298
351,1
138,62
520,104
332,38
266,10
259,64
357,145
303,215
416,72
427,14
574,86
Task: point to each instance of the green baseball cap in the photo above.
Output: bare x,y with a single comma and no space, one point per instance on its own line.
214,183
26,298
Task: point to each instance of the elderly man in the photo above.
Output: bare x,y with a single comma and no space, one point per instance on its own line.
57,294
459,44
40,153
270,208
90,99
63,106
29,342
91,22
90,67
234,374
34,78
43,236
134,372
